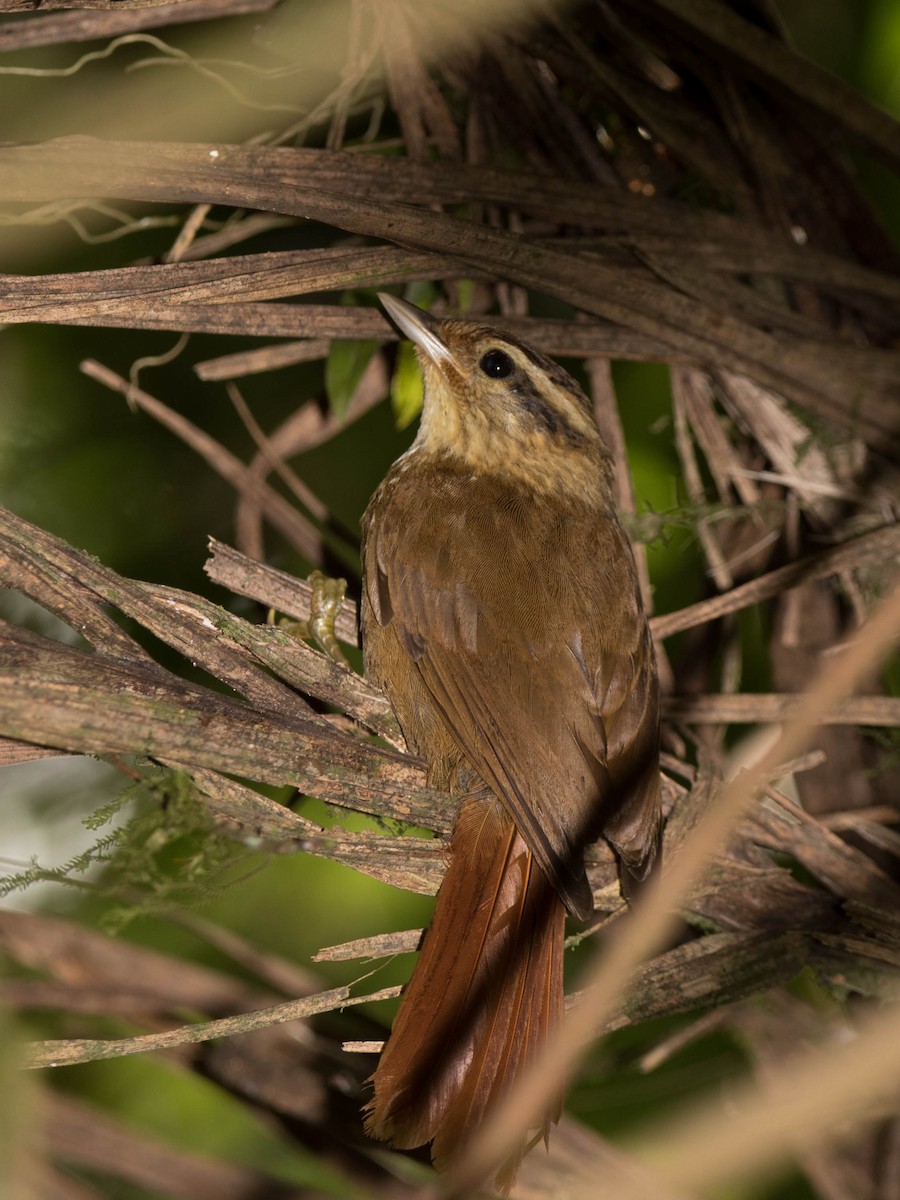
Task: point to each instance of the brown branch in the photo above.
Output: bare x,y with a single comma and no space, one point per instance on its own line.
25,6
226,296
16,752
412,863
110,18
55,696
846,871
267,358
717,969
67,1052
869,549
759,708
305,669
824,377
77,588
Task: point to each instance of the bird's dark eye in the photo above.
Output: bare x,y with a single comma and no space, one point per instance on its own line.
497,364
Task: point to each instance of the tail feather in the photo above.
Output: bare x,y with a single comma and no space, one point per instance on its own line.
484,997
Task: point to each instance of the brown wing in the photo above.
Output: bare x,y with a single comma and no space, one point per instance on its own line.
520,621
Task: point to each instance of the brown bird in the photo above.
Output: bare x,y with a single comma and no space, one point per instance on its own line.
501,616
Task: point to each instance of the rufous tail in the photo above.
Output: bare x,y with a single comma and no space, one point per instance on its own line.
485,995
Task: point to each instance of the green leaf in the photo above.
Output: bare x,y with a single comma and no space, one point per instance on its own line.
343,370
407,388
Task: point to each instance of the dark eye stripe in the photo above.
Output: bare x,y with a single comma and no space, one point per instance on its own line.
529,398
556,374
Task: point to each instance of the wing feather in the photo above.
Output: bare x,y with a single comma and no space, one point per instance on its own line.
547,686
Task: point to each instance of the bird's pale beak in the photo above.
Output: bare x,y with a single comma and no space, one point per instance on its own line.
420,327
